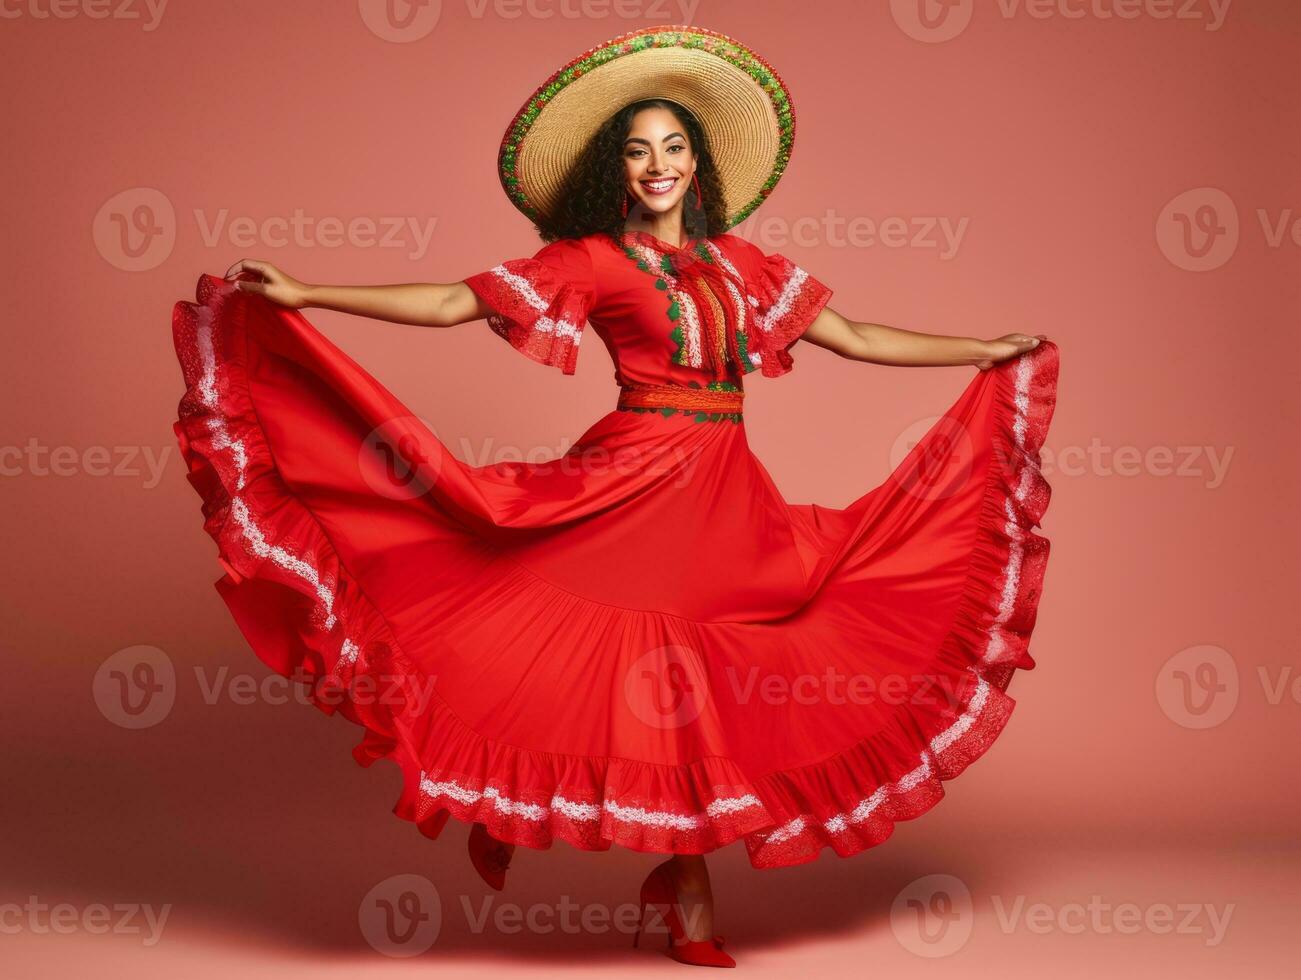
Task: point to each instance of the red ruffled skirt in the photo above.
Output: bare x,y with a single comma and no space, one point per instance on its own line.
637,643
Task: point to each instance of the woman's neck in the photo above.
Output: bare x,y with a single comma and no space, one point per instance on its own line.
665,227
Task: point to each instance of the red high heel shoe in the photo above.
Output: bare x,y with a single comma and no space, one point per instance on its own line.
489,856
658,890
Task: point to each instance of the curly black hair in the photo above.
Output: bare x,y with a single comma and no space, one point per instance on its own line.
592,196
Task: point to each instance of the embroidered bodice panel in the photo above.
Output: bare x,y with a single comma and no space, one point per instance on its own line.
712,310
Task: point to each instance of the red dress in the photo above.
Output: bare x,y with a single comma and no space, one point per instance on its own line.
640,642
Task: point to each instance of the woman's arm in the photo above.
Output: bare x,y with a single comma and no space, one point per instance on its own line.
905,348
425,304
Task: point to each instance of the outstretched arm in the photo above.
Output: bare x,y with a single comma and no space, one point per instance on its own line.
424,304
905,348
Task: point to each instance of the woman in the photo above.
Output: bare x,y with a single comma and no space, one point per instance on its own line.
640,642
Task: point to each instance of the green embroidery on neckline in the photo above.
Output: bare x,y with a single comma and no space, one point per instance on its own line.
674,312
743,347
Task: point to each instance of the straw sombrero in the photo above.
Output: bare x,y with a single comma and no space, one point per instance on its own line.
740,100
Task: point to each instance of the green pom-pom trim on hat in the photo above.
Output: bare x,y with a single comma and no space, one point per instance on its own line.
694,39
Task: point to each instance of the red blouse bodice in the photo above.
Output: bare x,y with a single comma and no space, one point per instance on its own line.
714,309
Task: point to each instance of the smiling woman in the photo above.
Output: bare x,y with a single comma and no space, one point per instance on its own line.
667,180
602,633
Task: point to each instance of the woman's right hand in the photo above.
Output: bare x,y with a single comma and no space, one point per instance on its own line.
275,285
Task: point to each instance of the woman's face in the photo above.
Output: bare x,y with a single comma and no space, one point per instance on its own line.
658,160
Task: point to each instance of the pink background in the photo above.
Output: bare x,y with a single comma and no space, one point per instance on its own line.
1059,140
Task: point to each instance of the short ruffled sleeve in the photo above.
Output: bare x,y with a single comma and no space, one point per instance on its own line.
540,304
784,300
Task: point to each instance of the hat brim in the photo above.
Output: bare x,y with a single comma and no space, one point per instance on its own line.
741,102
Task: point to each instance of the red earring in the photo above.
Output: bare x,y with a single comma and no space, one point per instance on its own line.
700,198
625,204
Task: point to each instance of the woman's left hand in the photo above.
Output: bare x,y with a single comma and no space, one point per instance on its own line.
1008,346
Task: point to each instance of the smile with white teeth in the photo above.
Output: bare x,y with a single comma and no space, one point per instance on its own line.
662,186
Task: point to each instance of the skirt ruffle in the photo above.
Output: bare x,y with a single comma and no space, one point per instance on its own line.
308,616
